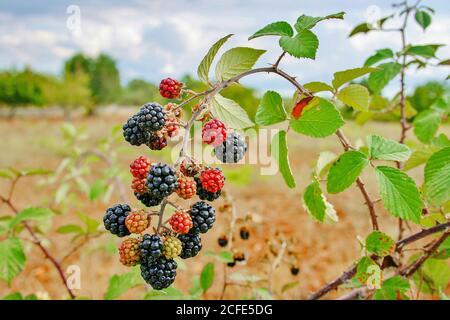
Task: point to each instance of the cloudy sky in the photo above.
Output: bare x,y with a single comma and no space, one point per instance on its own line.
159,38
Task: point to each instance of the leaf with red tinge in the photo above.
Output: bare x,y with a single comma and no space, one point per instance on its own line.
297,110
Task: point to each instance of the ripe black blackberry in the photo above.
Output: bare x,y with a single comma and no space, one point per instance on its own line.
222,241
203,217
148,199
133,133
191,244
206,195
151,117
161,180
231,150
151,247
159,273
114,219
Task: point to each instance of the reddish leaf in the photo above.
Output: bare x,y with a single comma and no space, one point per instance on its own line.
297,111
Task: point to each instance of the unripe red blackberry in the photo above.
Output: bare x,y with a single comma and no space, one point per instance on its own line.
189,167
172,247
137,221
206,195
138,185
186,187
170,88
181,222
139,167
212,180
157,142
129,252
214,132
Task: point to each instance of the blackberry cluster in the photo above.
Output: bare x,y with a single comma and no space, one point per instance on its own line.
191,244
203,217
159,273
161,180
206,195
232,150
151,247
114,219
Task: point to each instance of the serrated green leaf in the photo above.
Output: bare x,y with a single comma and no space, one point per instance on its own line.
70,228
279,28
380,244
365,269
355,96
437,177
379,79
399,193
229,112
303,45
394,288
426,51
236,61
119,284
423,18
317,86
307,22
434,275
341,77
380,55
279,151
345,170
207,276
31,214
360,28
316,204
12,259
381,148
426,124
320,120
271,109
205,64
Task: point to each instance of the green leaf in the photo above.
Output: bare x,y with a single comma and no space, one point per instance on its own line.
317,86
379,79
417,158
426,51
98,189
345,170
341,77
70,228
437,177
423,18
316,204
435,275
279,150
207,276
318,120
381,148
271,109
91,224
35,172
279,28
365,269
355,96
399,193
7,174
380,244
119,284
236,61
394,288
12,259
205,64
303,45
229,112
31,214
360,28
307,22
380,55
426,124
223,256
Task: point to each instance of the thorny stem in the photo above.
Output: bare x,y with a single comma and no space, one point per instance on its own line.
35,239
351,271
